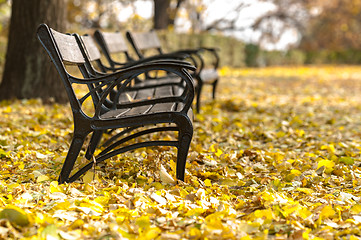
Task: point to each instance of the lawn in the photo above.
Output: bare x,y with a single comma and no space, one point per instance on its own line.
275,156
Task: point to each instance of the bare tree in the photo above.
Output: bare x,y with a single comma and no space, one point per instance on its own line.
229,20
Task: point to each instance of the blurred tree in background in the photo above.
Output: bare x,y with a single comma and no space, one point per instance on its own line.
28,72
165,13
334,24
325,31
319,24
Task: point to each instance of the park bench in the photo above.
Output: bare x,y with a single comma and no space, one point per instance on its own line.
114,47
94,57
148,42
113,110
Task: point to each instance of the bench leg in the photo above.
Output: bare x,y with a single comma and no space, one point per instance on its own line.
184,143
93,144
70,159
199,90
214,89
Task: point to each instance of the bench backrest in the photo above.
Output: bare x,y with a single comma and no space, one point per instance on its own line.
93,54
92,50
64,49
144,41
112,43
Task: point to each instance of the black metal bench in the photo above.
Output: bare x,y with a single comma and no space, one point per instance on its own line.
143,42
113,46
93,57
112,109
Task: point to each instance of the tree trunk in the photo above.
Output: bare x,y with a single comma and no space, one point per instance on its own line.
161,14
28,71
164,15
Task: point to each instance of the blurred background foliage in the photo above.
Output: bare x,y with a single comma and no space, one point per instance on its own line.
327,31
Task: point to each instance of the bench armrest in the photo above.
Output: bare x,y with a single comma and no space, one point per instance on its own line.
197,54
168,57
118,82
161,57
214,52
186,51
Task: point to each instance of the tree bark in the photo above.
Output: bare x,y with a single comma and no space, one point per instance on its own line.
28,71
164,14
161,14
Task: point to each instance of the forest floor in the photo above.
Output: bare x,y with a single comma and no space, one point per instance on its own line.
275,156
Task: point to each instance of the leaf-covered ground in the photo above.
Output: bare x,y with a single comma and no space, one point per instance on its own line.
276,156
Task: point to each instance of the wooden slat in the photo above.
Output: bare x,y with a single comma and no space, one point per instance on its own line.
146,40
68,47
139,110
164,91
147,93
115,42
115,113
209,75
93,51
125,97
163,107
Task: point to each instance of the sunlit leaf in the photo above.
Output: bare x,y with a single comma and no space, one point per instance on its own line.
164,176
328,164
15,216
347,160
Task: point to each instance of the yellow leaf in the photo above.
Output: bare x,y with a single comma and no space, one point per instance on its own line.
303,212
93,205
207,183
214,221
149,234
159,199
219,152
347,160
266,214
42,178
267,197
328,164
327,212
103,200
246,238
7,109
88,177
49,232
305,190
195,233
62,205
280,134
195,212
54,187
330,148
355,209
165,177
143,222
296,172
16,216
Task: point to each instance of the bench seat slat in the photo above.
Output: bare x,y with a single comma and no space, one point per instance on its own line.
115,113
163,91
163,107
209,75
147,93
